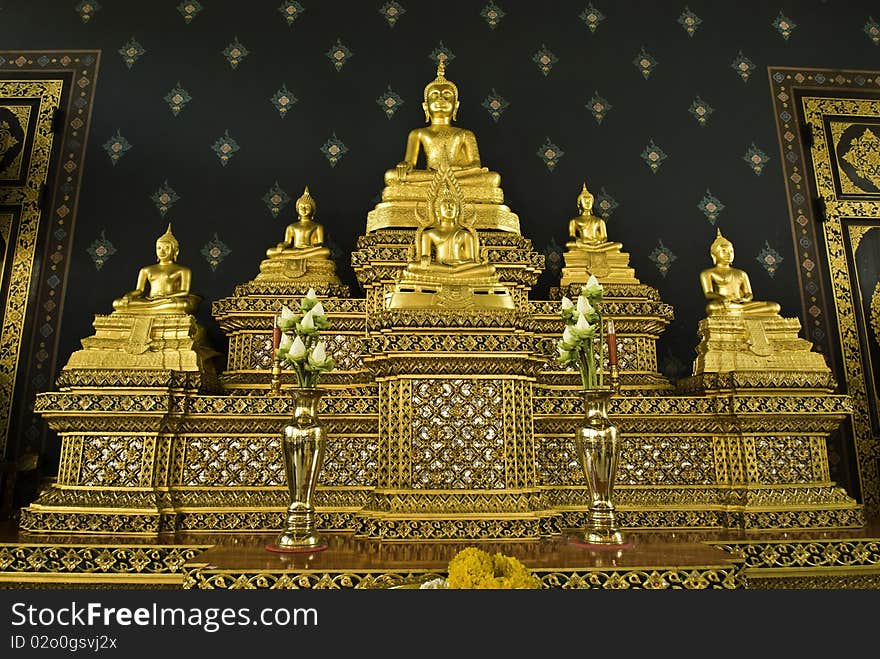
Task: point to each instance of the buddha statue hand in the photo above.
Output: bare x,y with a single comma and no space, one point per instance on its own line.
403,168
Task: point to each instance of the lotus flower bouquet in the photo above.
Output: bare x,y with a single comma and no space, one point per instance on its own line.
582,342
298,343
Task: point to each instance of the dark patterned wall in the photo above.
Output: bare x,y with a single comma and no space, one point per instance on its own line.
205,110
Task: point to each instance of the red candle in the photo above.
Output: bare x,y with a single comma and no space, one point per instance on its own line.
612,344
276,335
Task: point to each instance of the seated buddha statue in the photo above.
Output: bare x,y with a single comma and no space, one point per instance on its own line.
728,289
444,146
447,269
587,231
447,249
301,259
589,252
742,335
162,288
303,238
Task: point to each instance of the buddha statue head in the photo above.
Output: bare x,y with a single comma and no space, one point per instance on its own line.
440,97
585,201
306,206
447,207
167,247
721,250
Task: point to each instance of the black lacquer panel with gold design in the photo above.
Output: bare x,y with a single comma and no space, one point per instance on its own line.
835,212
856,162
862,240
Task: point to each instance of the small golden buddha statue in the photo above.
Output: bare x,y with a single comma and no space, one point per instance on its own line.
743,335
444,147
447,270
446,248
588,230
728,289
589,252
303,238
168,284
301,259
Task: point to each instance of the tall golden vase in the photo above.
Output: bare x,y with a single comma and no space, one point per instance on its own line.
303,442
598,449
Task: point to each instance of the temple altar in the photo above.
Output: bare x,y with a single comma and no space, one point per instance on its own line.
448,418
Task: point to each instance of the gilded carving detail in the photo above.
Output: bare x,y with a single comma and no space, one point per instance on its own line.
864,155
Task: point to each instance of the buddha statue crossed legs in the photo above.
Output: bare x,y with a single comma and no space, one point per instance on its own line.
446,248
162,288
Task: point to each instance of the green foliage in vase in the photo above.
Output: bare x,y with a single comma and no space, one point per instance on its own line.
582,340
301,348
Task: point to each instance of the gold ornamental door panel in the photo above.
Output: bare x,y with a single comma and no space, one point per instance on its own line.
845,158
27,114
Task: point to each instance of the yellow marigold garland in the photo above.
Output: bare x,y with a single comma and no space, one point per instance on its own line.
475,568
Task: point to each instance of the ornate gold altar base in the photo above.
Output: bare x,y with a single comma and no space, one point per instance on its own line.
839,559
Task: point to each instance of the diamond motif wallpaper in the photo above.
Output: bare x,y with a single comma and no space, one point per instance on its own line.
211,114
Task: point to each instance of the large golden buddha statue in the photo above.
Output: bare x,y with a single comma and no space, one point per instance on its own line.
728,289
302,254
447,270
444,147
741,334
162,288
589,252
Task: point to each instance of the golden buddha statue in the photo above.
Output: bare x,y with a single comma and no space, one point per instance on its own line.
447,270
301,256
444,147
728,289
741,334
303,238
588,230
168,284
589,252
152,327
446,248
443,144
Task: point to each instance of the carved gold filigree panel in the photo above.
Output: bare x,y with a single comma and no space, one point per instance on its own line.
27,109
232,461
457,434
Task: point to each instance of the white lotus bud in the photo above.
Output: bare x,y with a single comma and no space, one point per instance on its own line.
297,349
287,313
286,341
307,323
